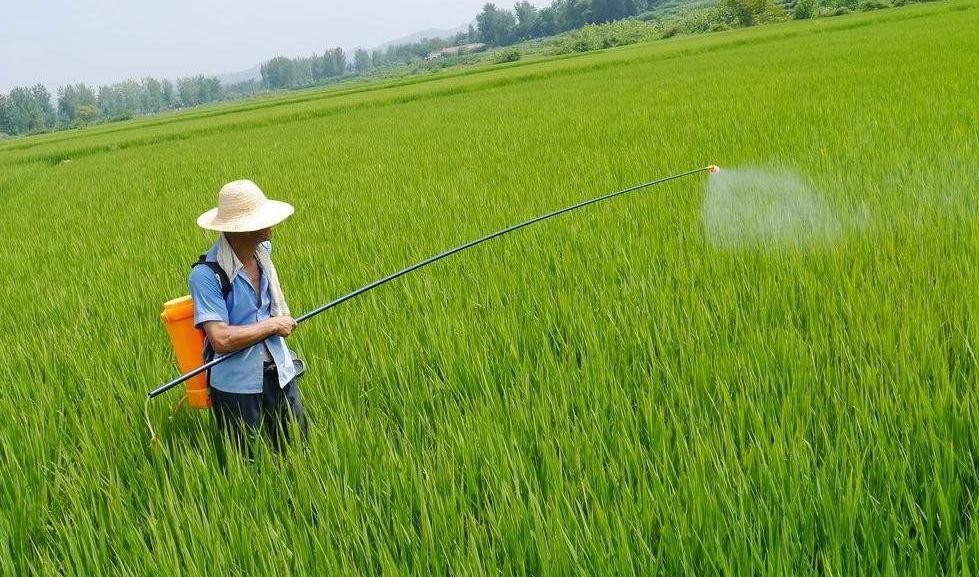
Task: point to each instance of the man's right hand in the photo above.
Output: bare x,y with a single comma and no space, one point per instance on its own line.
281,326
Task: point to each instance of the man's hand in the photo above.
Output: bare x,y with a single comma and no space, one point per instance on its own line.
281,326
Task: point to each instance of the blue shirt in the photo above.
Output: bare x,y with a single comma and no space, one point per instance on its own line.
243,372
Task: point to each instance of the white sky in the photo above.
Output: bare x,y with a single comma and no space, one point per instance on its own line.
104,41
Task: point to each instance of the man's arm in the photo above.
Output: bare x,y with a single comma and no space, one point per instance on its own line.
225,338
211,315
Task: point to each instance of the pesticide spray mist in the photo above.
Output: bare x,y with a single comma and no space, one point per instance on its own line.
752,207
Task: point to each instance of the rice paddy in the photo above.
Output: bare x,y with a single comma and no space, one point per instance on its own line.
773,373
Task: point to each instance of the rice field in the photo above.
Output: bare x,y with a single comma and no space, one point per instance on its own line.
769,372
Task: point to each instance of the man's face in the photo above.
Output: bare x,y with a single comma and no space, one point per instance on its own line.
255,236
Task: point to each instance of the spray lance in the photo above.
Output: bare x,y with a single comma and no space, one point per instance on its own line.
712,169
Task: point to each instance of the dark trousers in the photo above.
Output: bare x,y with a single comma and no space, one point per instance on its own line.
244,417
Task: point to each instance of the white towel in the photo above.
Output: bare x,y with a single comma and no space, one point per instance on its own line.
228,261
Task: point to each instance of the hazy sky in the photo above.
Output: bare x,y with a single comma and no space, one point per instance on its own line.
102,41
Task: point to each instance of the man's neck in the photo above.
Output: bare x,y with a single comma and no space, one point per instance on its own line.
245,251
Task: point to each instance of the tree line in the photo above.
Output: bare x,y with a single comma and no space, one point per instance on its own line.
27,110
30,110
501,27
283,72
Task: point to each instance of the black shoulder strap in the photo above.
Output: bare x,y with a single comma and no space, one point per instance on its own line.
219,272
225,291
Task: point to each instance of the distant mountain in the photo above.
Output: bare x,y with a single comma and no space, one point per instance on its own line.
429,33
253,73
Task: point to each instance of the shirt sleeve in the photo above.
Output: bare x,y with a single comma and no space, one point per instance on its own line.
205,289
268,245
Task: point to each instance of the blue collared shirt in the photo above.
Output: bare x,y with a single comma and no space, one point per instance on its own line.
242,373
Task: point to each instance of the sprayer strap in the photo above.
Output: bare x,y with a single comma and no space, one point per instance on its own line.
218,272
225,291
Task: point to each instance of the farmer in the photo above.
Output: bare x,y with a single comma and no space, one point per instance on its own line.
256,390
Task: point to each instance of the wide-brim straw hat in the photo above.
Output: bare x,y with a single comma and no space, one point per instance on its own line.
243,207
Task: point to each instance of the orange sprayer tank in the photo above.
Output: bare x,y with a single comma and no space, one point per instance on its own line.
188,345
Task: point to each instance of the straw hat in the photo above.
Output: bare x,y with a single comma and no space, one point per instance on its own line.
243,207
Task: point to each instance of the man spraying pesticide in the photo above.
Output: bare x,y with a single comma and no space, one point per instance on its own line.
251,323
238,304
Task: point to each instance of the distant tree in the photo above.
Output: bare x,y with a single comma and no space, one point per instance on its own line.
130,94
4,118
85,98
332,63
66,104
107,100
548,22
168,95
377,59
29,110
127,99
303,71
278,73
576,13
609,10
48,118
496,26
19,110
208,89
189,91
339,61
318,66
151,97
527,17
23,113
119,100
599,11
362,61
71,99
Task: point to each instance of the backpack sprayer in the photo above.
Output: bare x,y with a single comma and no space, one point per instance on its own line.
188,341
